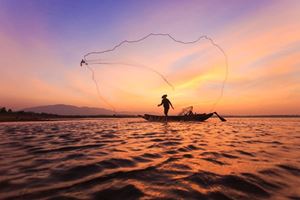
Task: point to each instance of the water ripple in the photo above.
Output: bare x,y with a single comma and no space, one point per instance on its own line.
133,159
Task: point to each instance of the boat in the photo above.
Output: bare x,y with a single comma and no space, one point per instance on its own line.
192,117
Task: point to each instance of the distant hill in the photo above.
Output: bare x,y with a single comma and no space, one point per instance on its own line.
61,109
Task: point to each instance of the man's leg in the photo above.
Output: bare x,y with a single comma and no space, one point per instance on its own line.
166,111
166,114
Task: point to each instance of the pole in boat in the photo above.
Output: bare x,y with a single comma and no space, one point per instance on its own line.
221,118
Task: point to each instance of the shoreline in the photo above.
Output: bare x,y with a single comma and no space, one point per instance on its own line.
28,116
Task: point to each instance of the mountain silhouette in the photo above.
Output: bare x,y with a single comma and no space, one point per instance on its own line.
62,109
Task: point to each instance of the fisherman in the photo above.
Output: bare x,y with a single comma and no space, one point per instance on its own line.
166,103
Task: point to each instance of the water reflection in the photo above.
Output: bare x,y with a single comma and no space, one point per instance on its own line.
132,159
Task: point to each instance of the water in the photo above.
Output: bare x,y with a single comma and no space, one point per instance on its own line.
133,159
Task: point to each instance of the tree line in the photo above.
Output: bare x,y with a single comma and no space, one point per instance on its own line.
4,110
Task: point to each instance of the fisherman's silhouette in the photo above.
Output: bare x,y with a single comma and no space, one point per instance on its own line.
166,103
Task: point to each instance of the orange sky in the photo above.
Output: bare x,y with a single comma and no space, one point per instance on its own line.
40,56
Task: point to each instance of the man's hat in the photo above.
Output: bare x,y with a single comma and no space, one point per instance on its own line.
164,96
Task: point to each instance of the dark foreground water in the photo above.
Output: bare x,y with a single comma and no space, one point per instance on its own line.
133,159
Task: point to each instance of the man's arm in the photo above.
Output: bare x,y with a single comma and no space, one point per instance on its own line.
171,104
160,103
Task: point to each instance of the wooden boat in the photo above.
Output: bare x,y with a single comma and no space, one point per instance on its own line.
193,117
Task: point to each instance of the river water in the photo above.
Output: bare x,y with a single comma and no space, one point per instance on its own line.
243,158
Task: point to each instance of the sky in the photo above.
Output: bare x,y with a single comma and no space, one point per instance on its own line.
42,43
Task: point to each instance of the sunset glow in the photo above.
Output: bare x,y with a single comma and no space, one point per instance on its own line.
42,43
